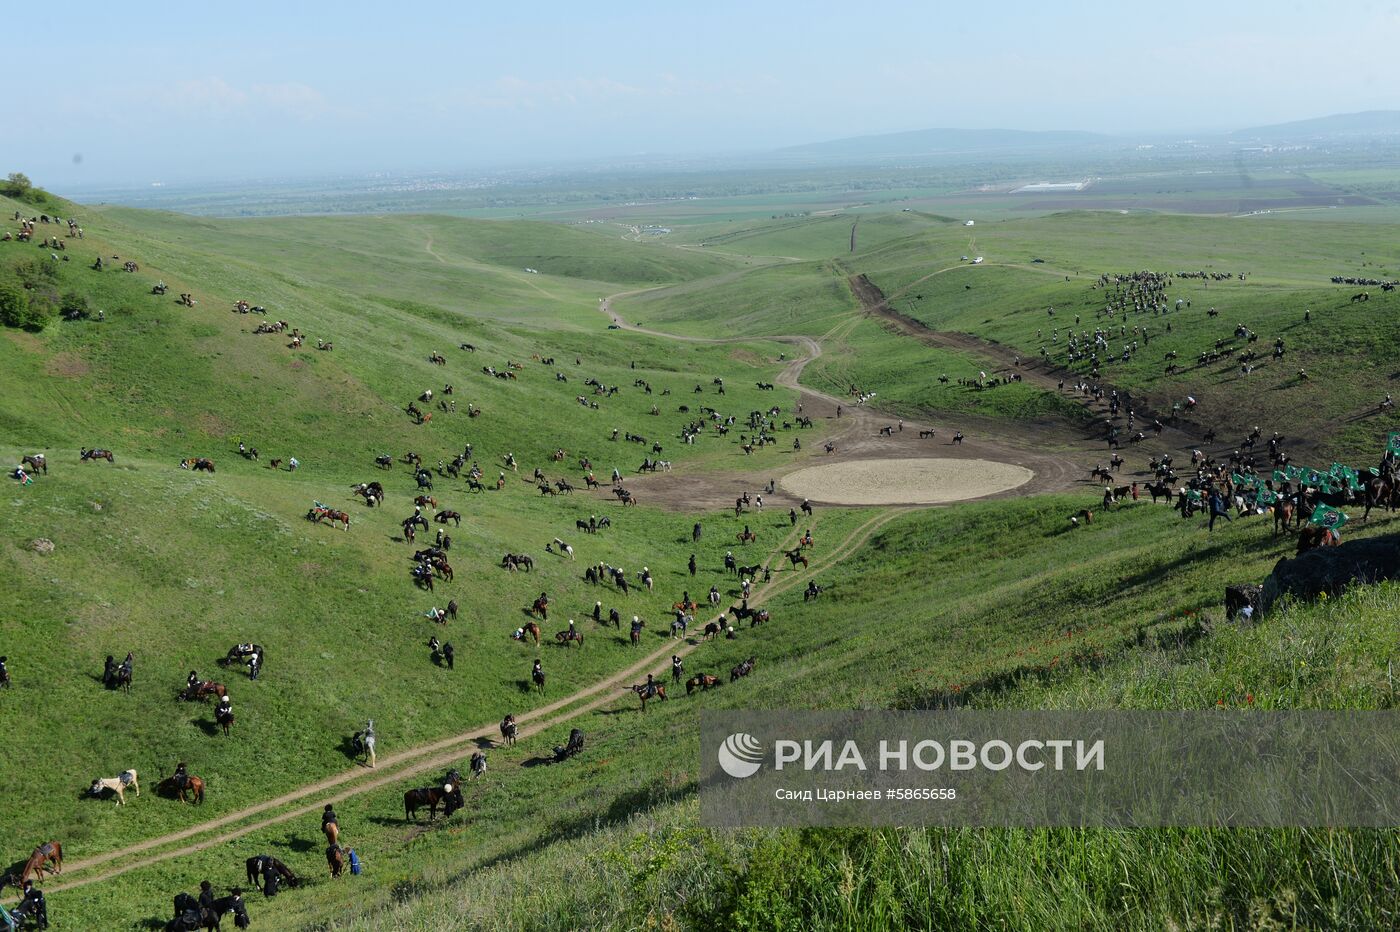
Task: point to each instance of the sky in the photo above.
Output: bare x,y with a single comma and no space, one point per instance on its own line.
144,92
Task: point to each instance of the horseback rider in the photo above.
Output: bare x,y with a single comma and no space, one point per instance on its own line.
224,711
598,612
677,668
448,653
572,633
109,670
537,670
254,665
192,683
328,818
206,895
181,777
4,672
34,903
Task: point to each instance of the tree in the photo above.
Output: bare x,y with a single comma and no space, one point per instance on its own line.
17,185
14,303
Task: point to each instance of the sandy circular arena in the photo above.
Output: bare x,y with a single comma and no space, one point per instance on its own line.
903,482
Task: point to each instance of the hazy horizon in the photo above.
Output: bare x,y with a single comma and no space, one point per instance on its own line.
176,94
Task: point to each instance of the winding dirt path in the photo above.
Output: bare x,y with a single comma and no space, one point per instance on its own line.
438,755
1043,448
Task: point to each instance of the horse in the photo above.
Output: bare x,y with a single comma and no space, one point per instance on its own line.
564,637
813,591
223,716
474,485
743,669
703,681
413,800
202,691
745,537
335,859
759,617
537,675
1283,515
645,692
384,461
533,630
509,730
478,765
796,557
636,633
37,463
541,607
117,785
316,515
238,653
442,517
1314,536
50,852
194,786
96,453
261,865
425,501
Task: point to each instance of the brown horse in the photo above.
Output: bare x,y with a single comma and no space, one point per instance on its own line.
509,729
796,557
746,537
1313,537
335,860
194,786
425,501
332,833
702,681
316,515
50,852
37,462
742,670
96,454
202,691
413,800
442,517
644,692
1283,515
533,630
564,637
541,607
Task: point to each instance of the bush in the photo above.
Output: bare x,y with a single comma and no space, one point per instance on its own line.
17,185
14,303
74,303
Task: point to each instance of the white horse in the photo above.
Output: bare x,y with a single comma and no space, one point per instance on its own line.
117,785
564,549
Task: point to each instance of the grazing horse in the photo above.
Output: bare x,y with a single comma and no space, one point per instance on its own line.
702,681
50,852
533,630
194,786
264,865
96,454
442,517
425,501
117,785
317,514
413,800
509,730
37,463
743,669
564,637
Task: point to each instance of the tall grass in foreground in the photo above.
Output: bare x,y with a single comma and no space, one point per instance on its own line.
660,871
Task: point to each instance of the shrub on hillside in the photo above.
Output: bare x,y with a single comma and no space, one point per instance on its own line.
14,304
17,185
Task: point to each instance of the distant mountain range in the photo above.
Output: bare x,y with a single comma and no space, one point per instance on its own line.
945,142
1365,123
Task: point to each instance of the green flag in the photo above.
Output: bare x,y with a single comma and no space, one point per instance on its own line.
1392,443
1325,516
1266,497
1280,477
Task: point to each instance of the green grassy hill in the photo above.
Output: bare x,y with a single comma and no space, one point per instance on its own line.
988,604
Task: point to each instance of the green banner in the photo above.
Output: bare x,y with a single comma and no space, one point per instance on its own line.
1325,516
1392,442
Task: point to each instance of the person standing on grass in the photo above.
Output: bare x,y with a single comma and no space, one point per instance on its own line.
1217,509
